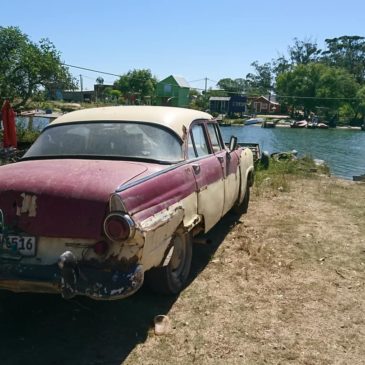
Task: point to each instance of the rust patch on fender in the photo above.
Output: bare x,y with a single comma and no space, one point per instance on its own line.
29,205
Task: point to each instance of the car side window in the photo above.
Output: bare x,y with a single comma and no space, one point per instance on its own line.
214,137
200,140
191,149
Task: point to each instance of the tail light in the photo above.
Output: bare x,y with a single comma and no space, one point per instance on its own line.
119,227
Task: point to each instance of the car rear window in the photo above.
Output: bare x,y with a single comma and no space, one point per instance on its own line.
108,139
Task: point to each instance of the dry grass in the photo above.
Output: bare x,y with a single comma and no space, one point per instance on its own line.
283,285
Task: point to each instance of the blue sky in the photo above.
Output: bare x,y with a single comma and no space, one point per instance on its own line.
191,38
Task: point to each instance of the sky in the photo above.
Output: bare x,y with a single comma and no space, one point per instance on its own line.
195,39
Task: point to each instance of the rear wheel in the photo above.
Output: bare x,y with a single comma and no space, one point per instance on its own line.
172,278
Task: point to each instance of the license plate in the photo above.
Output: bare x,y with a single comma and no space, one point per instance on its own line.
24,245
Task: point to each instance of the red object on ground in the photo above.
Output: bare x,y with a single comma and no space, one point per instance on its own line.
8,118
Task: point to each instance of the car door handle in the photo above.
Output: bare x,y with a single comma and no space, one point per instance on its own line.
196,169
220,159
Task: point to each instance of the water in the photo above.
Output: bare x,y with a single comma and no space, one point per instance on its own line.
342,149
38,122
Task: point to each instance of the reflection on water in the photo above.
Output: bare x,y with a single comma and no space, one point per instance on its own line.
343,150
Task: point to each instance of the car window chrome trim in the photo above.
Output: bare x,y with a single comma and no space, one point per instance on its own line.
158,173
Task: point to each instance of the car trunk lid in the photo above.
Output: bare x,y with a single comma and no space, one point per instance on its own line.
63,198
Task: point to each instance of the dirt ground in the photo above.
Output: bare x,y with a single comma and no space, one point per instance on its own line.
283,284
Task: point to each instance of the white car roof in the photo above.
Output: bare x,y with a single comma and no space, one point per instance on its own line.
173,118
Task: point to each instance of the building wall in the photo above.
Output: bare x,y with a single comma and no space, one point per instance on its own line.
78,96
238,104
233,104
168,92
219,106
261,105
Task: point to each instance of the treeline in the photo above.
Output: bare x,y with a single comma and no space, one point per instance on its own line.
330,82
27,68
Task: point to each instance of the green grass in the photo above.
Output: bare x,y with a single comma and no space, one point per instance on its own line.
280,172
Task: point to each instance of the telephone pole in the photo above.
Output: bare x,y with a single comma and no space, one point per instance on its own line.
81,88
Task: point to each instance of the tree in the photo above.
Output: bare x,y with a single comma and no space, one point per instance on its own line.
139,83
27,67
232,86
303,52
361,101
280,65
260,82
347,52
99,81
313,85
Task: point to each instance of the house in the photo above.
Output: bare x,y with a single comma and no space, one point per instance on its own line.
173,91
228,104
261,104
77,96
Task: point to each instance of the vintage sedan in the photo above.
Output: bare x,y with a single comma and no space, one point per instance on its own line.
108,197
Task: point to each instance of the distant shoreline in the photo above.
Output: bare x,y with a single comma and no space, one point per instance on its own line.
288,126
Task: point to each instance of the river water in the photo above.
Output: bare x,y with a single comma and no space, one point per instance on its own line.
342,149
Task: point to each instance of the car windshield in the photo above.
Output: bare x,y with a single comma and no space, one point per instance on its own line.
114,140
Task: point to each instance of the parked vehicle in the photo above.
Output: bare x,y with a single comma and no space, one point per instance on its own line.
107,197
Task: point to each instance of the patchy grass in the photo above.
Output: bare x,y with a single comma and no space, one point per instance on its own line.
284,284
280,173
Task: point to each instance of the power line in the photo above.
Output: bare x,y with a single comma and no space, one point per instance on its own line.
313,97
228,92
92,70
196,80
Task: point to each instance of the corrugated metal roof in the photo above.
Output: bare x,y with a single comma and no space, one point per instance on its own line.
181,81
220,98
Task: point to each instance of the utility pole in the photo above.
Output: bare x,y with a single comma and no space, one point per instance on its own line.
206,84
81,88
81,84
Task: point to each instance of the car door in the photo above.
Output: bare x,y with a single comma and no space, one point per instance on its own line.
208,175
229,163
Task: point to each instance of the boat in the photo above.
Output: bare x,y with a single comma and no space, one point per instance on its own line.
299,124
311,125
322,125
268,124
359,178
253,121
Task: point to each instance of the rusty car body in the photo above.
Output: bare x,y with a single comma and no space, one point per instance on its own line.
107,197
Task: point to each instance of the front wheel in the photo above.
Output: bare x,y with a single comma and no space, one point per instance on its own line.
172,278
243,206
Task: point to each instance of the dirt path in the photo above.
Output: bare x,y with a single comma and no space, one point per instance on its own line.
283,285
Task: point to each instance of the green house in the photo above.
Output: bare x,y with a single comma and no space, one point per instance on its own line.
173,91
